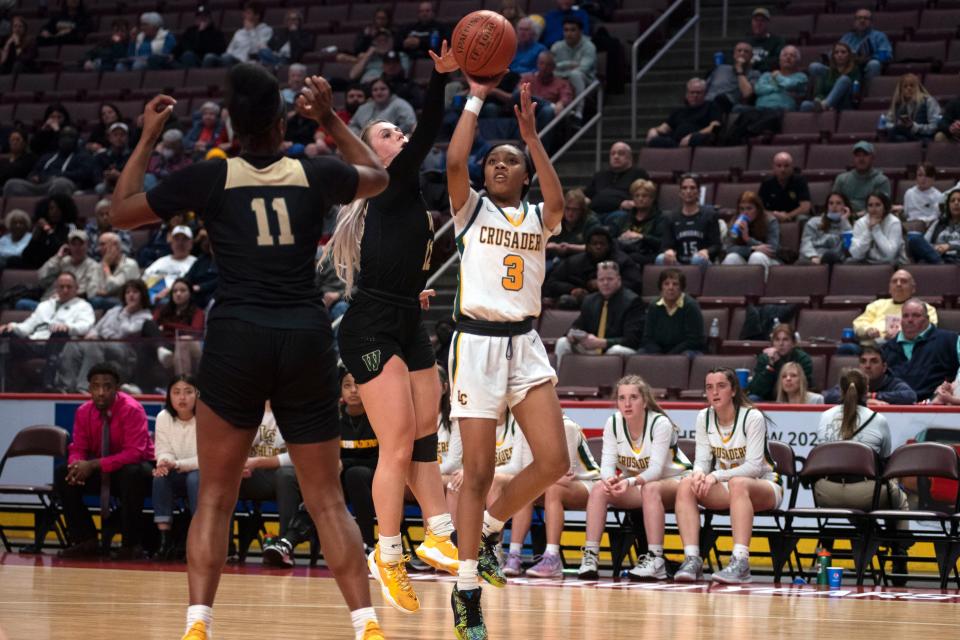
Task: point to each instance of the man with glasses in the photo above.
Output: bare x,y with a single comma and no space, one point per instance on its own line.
872,48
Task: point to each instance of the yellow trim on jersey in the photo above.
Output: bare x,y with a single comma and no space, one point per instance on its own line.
510,219
456,357
285,172
626,431
359,444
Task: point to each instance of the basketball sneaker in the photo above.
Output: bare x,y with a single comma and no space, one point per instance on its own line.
467,614
550,566
488,561
589,565
278,553
394,581
197,631
371,631
690,571
737,572
513,566
649,567
439,552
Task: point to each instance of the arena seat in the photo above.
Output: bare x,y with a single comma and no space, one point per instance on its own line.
554,324
853,126
949,319
795,27
818,364
837,365
731,285
916,56
893,158
857,284
938,24
728,193
801,127
116,85
668,195
944,157
722,316
936,282
702,365
588,376
24,203
662,164
819,192
827,160
945,86
667,375
717,163
825,323
761,159
796,284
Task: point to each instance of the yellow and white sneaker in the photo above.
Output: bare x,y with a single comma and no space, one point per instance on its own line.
371,631
197,631
394,582
440,553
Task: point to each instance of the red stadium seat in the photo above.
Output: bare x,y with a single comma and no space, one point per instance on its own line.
792,27
853,126
667,374
818,364
857,285
554,324
893,158
731,285
761,159
668,195
917,57
800,127
825,323
14,277
729,192
796,284
940,281
819,191
588,376
938,24
718,162
944,157
943,85
790,235
949,319
721,315
828,160
662,164
114,86
702,365
651,275
837,365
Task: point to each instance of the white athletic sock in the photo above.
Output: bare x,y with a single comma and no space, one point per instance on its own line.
552,550
441,525
656,549
692,550
391,548
200,613
741,551
591,546
467,576
491,525
516,547
360,618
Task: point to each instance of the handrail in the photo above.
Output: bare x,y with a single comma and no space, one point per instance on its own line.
596,119
636,75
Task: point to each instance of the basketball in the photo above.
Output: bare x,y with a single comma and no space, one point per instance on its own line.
484,43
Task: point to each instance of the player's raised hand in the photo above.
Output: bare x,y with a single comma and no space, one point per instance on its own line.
315,100
481,87
155,116
445,62
526,114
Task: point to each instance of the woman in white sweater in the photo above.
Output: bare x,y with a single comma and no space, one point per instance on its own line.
177,471
878,236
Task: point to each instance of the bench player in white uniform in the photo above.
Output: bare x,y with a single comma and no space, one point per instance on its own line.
449,447
569,492
733,469
640,442
497,361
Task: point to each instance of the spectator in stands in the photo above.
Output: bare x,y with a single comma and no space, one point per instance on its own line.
203,276
641,230
116,269
161,274
576,56
733,83
691,235
822,241
201,39
551,92
207,131
941,244
880,321
369,65
674,323
181,321
862,180
70,258
923,355
170,156
427,33
247,41
54,321
947,393
99,138
878,236
118,323
382,20
692,125
609,189
783,88
67,170
833,85
922,200
610,320
576,276
400,83
17,235
100,224
332,288
766,46
383,105
47,139
152,48
54,219
731,471
792,386
20,162
783,349
288,43
106,55
577,222
754,238
19,52
125,461
528,49
785,194
554,29
177,471
949,129
872,48
914,114
111,161
358,456
69,25
883,387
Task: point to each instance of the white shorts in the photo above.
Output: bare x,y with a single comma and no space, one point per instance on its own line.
484,383
776,486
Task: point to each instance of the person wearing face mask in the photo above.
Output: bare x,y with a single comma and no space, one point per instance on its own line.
783,349
383,105
66,170
822,241
168,158
914,114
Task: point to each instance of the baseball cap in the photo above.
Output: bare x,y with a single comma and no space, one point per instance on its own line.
119,125
77,234
761,11
182,230
864,146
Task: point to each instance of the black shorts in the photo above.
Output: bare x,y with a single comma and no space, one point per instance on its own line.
373,331
244,365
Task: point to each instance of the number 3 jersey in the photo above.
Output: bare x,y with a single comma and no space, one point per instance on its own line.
502,260
264,216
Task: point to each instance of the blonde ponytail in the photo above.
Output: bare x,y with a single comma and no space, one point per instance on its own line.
343,249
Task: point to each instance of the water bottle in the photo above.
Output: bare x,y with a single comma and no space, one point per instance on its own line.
776,323
715,328
329,51
735,228
718,58
435,40
882,122
856,89
823,563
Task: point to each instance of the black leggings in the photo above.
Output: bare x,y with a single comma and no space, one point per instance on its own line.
358,489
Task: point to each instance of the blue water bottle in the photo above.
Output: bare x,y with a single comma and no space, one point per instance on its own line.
735,228
718,58
435,40
882,122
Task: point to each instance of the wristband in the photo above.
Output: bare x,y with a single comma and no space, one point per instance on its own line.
474,104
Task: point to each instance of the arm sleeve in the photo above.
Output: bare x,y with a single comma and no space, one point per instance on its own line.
703,460
608,459
861,240
692,330
883,50
632,325
162,446
79,442
889,241
773,233
408,161
832,395
763,380
136,440
334,179
865,320
82,321
807,249
899,393
662,435
753,466
49,271
188,189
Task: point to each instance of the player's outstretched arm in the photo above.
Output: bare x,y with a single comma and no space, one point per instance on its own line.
458,152
129,208
316,102
549,181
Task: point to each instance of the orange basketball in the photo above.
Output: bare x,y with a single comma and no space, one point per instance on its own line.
484,44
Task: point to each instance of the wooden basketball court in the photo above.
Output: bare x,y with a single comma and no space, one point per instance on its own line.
44,599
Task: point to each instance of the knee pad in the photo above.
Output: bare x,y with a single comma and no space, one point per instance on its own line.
425,449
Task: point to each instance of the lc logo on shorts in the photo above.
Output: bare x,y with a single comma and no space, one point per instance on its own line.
462,398
371,360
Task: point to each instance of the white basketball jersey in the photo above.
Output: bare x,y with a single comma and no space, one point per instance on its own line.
582,462
729,444
502,260
633,457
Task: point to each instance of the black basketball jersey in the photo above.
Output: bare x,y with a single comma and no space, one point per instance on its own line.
264,216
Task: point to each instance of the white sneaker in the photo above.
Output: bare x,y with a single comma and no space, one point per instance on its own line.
589,566
649,567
